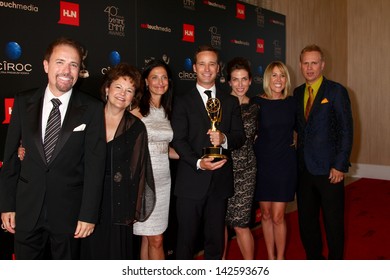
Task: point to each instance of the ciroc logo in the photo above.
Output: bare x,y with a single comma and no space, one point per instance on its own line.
114,58
187,74
258,77
13,52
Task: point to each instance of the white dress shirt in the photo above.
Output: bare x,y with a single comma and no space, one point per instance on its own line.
48,105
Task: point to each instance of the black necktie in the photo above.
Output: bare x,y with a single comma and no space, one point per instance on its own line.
52,129
208,92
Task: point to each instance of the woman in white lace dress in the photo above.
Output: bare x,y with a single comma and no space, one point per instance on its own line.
155,111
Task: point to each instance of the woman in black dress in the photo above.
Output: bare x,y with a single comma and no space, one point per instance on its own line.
129,193
276,156
239,209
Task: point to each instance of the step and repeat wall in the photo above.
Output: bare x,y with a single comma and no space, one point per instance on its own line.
133,31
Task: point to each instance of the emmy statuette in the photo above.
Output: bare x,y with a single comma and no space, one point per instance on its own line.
214,111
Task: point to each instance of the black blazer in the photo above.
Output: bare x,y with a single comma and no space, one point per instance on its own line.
325,139
190,124
71,185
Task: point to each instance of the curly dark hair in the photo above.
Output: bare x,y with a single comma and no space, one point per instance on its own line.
236,64
123,70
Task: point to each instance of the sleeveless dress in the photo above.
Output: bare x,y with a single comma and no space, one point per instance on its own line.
160,134
239,207
275,153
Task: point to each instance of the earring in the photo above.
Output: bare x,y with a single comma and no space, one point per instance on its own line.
106,97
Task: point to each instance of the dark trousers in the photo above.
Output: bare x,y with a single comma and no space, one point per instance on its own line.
192,215
42,243
316,195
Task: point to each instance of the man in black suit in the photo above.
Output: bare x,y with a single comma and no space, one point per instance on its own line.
203,185
53,195
325,135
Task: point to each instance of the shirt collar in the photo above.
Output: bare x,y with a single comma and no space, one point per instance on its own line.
202,89
316,85
64,98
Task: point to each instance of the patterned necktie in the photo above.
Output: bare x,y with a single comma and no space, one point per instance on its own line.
309,103
52,129
208,92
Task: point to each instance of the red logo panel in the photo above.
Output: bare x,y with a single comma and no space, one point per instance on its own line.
240,11
69,13
8,104
188,33
260,46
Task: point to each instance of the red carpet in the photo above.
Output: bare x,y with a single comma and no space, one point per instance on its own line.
367,224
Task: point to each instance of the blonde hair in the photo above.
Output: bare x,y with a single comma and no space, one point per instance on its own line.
312,48
267,78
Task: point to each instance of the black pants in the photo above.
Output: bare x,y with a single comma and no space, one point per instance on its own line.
193,215
42,243
316,195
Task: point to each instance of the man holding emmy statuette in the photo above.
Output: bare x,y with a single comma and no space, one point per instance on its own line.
204,177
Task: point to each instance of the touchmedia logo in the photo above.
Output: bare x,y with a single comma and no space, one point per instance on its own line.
13,52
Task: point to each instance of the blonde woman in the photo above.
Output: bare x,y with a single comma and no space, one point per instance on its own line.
276,156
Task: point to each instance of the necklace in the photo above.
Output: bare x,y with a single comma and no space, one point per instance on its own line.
153,105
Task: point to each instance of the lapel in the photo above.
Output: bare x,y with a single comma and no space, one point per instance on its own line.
73,115
300,101
200,105
221,98
34,116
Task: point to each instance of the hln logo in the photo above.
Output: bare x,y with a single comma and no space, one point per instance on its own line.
69,13
188,33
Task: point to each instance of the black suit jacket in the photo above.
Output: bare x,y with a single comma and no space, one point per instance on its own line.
190,124
71,185
325,139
